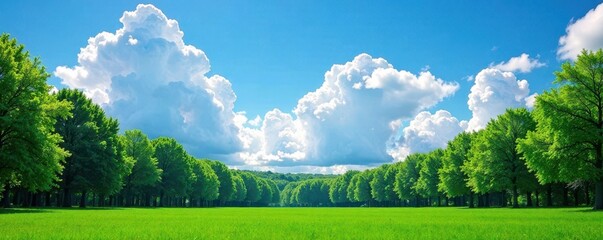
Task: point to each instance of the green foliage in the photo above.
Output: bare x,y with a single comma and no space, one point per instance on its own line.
227,185
176,165
427,184
378,184
30,154
362,188
313,192
145,173
568,142
206,186
453,181
97,162
254,193
287,198
338,193
240,191
408,175
495,164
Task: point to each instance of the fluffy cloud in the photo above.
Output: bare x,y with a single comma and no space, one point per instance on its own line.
335,169
427,132
531,100
585,33
523,64
492,93
146,76
349,119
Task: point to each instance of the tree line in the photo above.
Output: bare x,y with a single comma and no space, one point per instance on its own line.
552,155
60,149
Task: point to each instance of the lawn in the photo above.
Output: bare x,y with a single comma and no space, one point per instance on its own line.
301,223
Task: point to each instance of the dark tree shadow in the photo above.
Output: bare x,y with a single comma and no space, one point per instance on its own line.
23,210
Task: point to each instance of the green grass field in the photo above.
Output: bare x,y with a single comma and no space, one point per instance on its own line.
301,223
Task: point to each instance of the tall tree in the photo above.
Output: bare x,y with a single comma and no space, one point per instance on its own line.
427,184
176,166
453,181
287,198
30,154
378,184
338,193
407,177
240,192
495,164
206,186
145,172
97,162
568,142
253,188
226,183
362,189
390,183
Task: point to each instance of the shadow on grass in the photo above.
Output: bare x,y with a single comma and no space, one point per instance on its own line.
587,210
89,208
52,209
22,210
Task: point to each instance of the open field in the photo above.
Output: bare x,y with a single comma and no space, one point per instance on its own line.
301,223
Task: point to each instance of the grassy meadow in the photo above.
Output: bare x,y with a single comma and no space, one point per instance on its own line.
300,223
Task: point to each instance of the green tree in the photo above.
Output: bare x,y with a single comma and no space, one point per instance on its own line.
254,193
427,184
206,186
30,154
276,195
176,165
287,198
145,173
226,183
453,181
362,189
568,142
390,182
97,162
378,184
266,196
495,164
338,193
407,177
240,192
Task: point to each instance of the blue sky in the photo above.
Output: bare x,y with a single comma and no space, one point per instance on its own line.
273,53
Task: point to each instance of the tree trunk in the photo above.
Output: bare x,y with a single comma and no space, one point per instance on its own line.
529,199
576,197
515,196
35,200
83,200
549,195
47,199
66,197
599,194
471,199
565,197
6,197
587,193
537,194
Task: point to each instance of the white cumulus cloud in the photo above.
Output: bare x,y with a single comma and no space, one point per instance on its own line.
584,33
523,64
492,93
147,77
349,119
427,132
